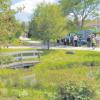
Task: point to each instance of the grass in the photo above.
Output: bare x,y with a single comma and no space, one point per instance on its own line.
14,50
58,59
56,68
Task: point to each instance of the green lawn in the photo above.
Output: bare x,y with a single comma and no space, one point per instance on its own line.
14,50
56,68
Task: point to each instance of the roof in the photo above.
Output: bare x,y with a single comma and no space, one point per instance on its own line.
93,23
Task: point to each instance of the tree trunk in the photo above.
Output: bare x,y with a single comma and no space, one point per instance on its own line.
48,44
77,23
82,24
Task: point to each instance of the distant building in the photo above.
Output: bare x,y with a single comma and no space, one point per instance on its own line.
94,24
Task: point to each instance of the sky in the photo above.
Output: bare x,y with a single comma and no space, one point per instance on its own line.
29,6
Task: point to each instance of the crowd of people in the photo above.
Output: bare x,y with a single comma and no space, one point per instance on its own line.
75,40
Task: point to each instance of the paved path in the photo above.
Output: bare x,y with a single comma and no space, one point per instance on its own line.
54,48
57,48
28,40
75,48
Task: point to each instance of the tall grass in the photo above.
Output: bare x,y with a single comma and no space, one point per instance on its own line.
56,67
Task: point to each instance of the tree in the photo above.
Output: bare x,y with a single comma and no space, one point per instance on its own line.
8,23
47,23
23,26
80,9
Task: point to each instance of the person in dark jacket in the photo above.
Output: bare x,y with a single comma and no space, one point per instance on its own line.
89,41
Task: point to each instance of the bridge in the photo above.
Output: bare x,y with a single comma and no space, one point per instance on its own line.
21,59
24,64
23,54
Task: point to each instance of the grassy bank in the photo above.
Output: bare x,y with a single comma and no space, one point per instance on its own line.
14,49
61,66
56,68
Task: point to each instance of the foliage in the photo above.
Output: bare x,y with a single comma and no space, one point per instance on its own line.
45,80
8,23
17,34
80,9
47,23
73,91
16,42
58,59
6,59
97,74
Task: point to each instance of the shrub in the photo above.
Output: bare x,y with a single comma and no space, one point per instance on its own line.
97,75
73,91
6,59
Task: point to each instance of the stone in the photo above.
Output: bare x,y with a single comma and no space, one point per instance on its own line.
70,52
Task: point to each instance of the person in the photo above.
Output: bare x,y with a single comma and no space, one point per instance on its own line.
89,41
62,41
97,40
65,42
58,42
75,40
80,41
93,40
72,40
68,39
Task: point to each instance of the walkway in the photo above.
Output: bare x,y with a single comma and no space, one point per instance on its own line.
57,48
75,48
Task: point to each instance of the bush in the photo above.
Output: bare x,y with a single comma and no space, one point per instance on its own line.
73,91
6,59
97,74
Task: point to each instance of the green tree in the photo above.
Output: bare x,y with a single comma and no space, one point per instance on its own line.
47,23
23,26
80,9
8,23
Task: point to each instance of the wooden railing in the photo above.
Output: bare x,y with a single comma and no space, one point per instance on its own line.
21,59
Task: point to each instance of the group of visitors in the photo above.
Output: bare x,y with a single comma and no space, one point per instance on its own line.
91,41
70,41
75,40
